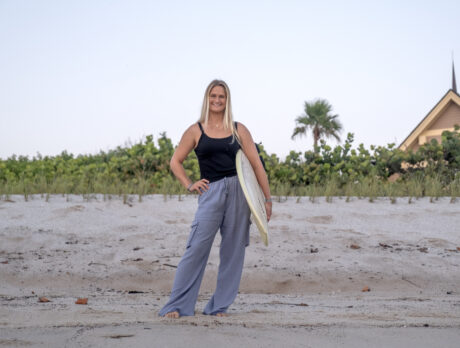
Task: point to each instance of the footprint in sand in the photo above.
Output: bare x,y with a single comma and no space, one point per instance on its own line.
326,219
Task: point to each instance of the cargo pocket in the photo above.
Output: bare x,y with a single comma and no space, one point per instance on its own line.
194,227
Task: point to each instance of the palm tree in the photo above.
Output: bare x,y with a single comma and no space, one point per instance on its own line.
318,118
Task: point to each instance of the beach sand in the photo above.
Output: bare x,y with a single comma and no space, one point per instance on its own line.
304,289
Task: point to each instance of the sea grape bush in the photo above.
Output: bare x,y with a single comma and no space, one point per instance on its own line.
143,168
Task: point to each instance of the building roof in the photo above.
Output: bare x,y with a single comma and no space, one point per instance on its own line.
432,116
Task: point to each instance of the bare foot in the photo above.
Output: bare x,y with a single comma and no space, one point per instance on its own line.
173,315
221,314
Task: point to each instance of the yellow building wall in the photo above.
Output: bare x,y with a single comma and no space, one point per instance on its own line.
449,118
446,121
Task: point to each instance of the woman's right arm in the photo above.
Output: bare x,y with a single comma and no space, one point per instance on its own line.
186,145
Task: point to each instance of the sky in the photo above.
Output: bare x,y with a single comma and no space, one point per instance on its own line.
89,75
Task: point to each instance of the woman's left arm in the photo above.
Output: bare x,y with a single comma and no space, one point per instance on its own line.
249,149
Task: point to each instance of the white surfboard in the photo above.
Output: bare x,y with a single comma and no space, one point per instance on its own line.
253,193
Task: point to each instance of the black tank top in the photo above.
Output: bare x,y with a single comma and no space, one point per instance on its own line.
216,156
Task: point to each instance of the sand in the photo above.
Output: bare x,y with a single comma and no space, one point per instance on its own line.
304,289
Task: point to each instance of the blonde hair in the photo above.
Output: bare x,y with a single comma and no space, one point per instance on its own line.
228,115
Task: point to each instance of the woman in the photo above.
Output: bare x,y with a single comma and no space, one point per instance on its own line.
221,204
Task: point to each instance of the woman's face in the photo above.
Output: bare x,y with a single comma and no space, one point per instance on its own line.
217,99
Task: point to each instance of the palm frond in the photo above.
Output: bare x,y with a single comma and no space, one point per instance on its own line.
299,131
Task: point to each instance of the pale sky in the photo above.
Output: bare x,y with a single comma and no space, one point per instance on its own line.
85,76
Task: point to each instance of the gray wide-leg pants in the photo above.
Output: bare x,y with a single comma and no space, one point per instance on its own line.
222,206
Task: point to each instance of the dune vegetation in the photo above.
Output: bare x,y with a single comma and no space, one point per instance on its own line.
344,170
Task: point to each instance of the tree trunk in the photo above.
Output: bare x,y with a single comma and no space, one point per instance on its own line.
315,138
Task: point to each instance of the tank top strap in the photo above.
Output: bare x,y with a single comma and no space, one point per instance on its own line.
201,127
236,125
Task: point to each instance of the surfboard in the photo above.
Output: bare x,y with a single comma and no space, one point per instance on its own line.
253,193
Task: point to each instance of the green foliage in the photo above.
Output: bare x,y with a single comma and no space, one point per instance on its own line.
345,170
137,169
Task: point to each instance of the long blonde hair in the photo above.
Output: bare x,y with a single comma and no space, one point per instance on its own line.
228,115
